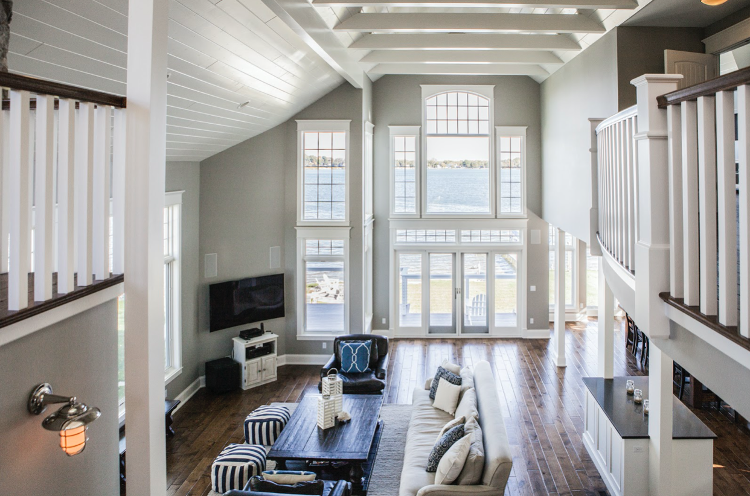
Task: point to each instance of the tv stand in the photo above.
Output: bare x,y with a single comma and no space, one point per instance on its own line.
258,358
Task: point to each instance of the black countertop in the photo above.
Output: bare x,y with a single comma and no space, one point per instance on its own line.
627,417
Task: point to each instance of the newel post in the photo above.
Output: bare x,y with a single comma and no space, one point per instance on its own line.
594,247
652,246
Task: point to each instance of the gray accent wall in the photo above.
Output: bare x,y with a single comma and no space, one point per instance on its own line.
77,356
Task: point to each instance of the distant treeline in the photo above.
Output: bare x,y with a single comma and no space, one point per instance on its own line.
312,160
458,164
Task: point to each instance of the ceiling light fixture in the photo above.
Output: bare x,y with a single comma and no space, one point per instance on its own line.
713,3
71,420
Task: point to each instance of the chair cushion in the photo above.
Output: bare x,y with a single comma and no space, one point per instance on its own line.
288,476
259,485
235,465
445,374
264,425
362,383
355,356
442,446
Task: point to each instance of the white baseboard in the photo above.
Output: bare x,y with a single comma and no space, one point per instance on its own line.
189,391
289,359
537,334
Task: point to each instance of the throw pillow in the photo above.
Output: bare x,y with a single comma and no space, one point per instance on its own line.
288,476
467,380
448,376
355,356
442,447
467,407
446,397
471,474
451,367
453,461
450,425
258,485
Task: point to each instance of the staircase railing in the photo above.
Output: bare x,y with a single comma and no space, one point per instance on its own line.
62,163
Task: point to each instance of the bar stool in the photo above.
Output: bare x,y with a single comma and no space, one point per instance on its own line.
680,378
630,336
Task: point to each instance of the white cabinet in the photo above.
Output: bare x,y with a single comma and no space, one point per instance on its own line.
258,358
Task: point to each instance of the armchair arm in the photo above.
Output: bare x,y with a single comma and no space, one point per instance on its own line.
332,364
382,367
342,488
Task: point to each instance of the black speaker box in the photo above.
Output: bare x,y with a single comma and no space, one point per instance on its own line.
222,375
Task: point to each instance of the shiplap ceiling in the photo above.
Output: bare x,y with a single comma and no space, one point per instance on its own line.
221,55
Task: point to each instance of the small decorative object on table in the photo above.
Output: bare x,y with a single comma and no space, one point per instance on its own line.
638,396
629,386
645,407
326,412
343,417
333,386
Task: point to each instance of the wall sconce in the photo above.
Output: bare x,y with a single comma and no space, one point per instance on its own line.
71,420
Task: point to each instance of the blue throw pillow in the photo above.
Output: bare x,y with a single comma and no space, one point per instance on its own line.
444,374
355,356
443,445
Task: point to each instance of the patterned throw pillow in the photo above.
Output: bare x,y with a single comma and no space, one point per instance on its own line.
355,356
442,447
445,374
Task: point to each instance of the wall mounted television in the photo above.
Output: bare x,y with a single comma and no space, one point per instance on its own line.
242,302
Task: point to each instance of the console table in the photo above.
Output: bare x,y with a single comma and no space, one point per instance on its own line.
616,437
258,358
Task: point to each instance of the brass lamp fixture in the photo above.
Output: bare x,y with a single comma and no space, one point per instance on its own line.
71,420
713,3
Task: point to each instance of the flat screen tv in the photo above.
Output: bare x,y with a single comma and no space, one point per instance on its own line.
237,303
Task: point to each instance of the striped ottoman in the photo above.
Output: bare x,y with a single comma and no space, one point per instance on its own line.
264,425
235,465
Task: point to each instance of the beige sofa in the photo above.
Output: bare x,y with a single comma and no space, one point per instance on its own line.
424,426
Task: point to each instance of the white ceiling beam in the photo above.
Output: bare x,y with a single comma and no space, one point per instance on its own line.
465,69
304,20
449,22
543,4
466,41
460,57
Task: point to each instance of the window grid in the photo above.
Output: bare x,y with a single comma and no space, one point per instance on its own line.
323,247
458,112
425,236
490,236
405,177
324,165
511,167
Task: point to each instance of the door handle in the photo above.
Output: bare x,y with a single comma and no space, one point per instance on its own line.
458,292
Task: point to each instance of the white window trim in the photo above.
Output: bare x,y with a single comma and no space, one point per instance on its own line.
406,131
573,307
511,131
487,91
303,234
321,126
172,198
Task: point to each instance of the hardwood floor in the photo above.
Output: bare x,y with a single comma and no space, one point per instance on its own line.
542,408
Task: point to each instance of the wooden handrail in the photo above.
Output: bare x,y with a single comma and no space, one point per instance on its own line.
727,82
43,87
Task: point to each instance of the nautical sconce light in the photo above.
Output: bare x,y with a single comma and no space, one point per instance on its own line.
71,420
713,3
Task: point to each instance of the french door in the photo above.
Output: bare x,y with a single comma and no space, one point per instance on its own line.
442,293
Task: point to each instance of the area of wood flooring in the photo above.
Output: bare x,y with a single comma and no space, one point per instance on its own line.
542,409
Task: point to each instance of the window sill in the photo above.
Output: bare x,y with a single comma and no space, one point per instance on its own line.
309,336
171,374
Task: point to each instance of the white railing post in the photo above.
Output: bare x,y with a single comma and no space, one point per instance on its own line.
606,323
676,268
558,346
4,187
707,203
100,191
44,197
118,192
595,188
743,156
19,205
727,213
690,241
84,168
66,136
652,248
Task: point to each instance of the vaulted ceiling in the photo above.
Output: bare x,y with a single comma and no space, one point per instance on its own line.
240,67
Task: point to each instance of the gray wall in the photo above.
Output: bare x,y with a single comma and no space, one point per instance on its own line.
397,100
77,357
185,176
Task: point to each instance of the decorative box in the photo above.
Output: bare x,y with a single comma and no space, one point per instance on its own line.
333,386
326,412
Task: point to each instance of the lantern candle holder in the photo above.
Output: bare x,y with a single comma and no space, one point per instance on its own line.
333,386
645,407
629,387
638,396
326,412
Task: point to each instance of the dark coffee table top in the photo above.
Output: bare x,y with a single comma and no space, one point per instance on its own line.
301,439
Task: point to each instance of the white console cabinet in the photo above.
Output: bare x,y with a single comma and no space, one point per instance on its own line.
256,370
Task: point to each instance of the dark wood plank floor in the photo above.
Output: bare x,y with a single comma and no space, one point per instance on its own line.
542,408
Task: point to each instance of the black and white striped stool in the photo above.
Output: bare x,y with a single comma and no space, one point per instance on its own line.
264,425
235,465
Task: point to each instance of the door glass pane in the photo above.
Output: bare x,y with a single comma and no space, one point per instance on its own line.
569,266
410,290
475,289
592,280
441,289
324,296
506,290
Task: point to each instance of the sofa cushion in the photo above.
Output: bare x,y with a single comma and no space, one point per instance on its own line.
467,380
445,374
467,407
452,462
471,474
355,356
451,367
443,445
446,396
450,425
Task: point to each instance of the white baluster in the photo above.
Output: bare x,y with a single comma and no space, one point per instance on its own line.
690,202
707,202
676,268
20,221
118,193
726,201
743,156
4,188
100,191
84,168
65,196
636,183
44,199
631,195
618,191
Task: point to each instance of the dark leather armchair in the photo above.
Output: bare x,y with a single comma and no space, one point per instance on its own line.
330,488
371,382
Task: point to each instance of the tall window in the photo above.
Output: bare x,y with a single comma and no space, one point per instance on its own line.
172,240
457,153
323,171
570,268
511,150
405,182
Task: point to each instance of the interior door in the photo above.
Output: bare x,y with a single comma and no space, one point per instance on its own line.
475,294
695,67
443,293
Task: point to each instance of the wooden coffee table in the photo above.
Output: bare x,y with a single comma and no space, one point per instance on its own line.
353,443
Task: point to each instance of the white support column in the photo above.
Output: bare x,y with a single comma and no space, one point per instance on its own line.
652,247
44,197
660,421
676,270
66,136
4,187
118,192
558,344
743,157
595,186
606,321
144,252
707,203
19,210
84,169
100,191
